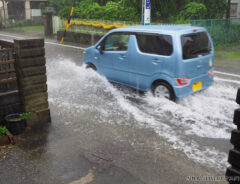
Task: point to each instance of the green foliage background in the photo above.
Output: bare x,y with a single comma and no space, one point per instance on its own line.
166,11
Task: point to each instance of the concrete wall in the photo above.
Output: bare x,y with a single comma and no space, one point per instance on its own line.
238,7
82,38
57,24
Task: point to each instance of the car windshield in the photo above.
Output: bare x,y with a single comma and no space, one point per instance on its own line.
195,45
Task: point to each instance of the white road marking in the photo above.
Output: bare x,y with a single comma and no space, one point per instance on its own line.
50,43
227,80
11,36
229,74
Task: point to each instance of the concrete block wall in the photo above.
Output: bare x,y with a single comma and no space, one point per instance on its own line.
32,80
81,38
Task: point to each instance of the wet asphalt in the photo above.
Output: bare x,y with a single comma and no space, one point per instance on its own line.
76,148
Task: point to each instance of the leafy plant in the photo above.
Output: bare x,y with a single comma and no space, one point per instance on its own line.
25,115
3,130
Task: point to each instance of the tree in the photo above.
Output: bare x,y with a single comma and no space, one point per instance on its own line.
194,10
130,10
215,8
228,13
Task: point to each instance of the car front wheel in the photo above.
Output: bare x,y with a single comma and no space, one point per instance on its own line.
91,66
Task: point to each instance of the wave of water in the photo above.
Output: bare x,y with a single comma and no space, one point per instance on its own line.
204,115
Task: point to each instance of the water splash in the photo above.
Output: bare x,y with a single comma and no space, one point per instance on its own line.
204,115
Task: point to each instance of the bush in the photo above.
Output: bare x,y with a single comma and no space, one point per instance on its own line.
112,11
193,10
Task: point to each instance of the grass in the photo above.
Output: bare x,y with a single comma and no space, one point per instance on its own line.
228,46
28,28
229,50
232,55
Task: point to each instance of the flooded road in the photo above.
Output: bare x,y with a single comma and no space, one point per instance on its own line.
107,134
199,126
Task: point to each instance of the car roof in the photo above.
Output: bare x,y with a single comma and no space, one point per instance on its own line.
160,29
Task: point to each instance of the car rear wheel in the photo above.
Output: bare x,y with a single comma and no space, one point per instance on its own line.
163,90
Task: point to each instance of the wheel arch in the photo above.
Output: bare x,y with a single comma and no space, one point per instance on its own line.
91,64
161,80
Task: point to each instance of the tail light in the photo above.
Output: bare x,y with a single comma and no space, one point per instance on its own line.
182,81
211,72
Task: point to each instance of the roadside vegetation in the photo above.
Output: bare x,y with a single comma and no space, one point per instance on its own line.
166,11
26,28
230,50
227,55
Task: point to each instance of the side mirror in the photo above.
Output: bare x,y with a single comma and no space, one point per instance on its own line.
100,49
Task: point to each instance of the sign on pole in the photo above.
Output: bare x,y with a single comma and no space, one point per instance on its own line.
147,12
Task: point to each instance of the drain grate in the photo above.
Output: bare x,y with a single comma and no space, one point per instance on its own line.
99,157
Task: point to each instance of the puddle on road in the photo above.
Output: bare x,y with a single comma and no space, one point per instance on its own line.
184,125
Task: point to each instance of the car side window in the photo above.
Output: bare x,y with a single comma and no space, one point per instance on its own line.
116,42
155,44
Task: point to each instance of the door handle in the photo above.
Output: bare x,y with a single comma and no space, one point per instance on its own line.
156,61
123,57
199,66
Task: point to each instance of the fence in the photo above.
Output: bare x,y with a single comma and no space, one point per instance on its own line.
221,30
9,95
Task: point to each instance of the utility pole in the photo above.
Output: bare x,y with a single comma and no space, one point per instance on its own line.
228,14
143,7
146,12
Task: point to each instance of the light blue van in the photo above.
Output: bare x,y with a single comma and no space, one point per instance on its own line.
170,61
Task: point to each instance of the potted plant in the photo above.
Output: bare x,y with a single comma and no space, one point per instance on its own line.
16,123
5,136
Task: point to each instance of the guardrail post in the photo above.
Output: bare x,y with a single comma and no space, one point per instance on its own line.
233,173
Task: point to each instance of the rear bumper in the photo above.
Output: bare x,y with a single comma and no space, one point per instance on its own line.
182,91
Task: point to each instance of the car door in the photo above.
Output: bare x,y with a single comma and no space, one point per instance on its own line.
113,59
150,55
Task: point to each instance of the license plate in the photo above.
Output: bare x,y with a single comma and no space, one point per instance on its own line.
197,86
